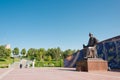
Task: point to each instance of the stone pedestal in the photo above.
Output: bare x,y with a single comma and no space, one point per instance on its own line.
92,64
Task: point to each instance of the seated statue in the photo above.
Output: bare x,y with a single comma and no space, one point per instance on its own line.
90,49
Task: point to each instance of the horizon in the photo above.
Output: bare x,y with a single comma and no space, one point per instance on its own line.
57,23
9,46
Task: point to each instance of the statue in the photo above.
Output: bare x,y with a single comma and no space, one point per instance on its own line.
90,49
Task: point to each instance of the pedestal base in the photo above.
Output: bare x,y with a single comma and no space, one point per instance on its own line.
92,64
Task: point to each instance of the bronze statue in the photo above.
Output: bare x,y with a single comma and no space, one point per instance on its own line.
90,49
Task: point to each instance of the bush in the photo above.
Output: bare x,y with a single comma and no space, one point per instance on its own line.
2,59
4,63
4,66
49,63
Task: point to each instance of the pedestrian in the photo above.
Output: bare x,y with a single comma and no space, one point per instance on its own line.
20,65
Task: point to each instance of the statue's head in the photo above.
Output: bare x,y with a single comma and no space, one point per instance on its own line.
90,34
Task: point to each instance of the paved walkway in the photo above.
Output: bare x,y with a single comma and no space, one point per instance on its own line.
55,74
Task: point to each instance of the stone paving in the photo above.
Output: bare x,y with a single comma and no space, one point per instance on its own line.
52,73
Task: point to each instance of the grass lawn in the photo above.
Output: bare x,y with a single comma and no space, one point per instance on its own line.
4,63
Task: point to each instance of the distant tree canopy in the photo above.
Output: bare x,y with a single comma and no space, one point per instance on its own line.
31,53
39,54
55,53
46,55
16,51
4,53
68,52
23,52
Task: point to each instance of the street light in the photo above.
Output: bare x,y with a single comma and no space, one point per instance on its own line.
60,59
12,55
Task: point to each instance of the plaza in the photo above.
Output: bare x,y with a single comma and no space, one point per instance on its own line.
55,73
59,40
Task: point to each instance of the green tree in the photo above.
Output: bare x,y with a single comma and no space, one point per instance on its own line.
55,53
40,54
23,52
31,53
51,52
68,53
16,51
59,53
48,58
8,52
2,52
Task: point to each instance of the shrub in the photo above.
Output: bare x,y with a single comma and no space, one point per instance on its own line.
49,63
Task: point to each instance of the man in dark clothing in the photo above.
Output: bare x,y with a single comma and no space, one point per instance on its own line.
91,47
20,66
92,41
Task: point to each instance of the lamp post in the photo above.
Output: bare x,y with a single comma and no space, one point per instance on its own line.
60,59
13,57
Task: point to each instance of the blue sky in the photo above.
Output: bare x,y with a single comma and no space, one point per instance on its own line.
57,23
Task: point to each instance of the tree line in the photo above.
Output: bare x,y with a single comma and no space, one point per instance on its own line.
40,54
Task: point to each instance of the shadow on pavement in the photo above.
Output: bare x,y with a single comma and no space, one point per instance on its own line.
67,69
115,70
